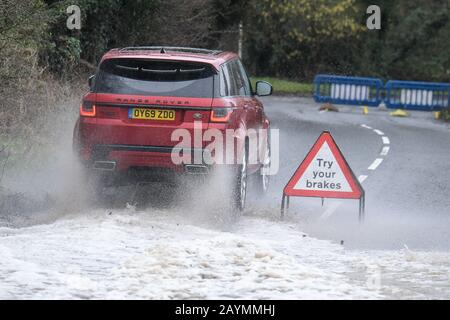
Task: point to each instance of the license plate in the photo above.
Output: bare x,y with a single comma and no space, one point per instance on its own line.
151,114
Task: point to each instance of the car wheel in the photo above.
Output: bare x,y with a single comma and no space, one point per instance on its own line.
240,192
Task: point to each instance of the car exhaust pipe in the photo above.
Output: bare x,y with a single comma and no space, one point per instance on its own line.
105,165
196,169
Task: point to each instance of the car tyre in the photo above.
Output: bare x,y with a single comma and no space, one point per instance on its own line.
241,183
263,179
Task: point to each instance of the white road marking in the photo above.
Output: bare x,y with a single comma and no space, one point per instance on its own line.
378,132
362,178
322,111
331,209
375,164
385,151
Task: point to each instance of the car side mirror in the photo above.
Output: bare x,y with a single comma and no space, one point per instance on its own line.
91,82
263,88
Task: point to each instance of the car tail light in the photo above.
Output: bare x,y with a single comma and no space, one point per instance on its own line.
87,109
221,114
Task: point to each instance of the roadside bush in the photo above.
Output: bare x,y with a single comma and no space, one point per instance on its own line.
22,24
30,96
296,39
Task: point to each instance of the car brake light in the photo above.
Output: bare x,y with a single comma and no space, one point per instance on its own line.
87,109
221,114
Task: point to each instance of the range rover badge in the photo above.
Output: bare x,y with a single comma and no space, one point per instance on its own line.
197,116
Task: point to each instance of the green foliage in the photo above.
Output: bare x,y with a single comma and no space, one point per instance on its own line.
104,24
412,43
292,39
295,38
22,25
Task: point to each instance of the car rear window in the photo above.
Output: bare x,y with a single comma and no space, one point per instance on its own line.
157,78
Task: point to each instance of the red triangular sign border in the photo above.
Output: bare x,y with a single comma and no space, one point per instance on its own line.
357,190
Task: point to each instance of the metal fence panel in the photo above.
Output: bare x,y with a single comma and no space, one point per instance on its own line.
412,95
347,90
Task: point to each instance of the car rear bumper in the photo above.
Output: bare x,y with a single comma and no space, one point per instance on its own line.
121,158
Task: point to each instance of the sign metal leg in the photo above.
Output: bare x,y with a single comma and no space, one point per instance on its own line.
283,200
364,207
362,204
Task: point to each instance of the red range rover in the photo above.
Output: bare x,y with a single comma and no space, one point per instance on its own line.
143,99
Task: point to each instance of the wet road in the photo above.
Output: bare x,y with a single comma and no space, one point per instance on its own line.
408,190
184,245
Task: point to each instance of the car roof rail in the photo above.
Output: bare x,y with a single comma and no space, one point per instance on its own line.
164,49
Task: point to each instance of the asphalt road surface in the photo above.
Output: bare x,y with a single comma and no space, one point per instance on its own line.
186,244
408,193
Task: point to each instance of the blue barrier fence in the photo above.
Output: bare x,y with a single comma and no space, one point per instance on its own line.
347,90
417,95
359,91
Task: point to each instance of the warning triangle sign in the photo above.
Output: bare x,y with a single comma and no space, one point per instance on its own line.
324,173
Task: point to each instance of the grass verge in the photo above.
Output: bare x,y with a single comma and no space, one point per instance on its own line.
286,87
